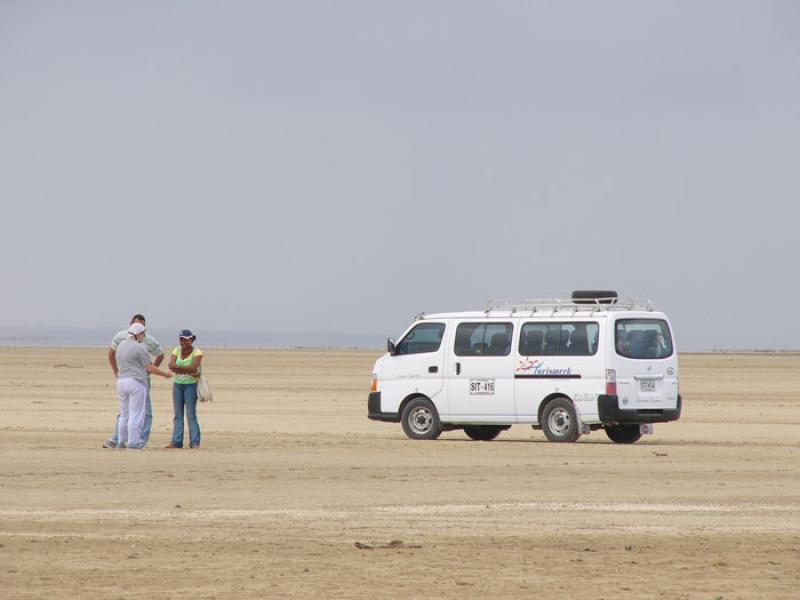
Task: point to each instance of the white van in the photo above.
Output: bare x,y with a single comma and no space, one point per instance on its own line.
567,367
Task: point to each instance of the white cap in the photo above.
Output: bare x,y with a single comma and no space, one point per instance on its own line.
136,329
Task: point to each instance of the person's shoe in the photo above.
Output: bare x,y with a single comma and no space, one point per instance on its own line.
195,447
122,446
109,444
136,447
172,446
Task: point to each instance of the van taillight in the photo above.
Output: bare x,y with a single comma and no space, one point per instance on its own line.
374,383
611,381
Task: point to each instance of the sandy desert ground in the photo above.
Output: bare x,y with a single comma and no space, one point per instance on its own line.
295,494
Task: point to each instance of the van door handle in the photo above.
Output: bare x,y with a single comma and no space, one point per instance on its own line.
458,368
433,369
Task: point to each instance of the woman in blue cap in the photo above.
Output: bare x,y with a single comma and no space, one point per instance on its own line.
185,363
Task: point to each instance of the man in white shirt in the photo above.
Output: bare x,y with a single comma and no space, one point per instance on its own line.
154,349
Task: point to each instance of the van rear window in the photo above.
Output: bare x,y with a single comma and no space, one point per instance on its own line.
643,338
558,339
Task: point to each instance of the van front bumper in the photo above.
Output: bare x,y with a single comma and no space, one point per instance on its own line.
374,410
610,412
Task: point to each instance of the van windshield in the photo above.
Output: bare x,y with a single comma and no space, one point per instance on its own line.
643,338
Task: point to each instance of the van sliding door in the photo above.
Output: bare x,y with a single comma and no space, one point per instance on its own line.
480,384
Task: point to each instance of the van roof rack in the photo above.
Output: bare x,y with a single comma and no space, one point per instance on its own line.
600,304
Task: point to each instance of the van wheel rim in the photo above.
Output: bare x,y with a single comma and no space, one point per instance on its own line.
559,421
420,420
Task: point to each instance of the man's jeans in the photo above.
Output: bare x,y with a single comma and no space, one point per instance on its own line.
148,421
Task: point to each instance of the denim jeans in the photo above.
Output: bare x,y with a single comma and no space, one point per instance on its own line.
148,421
185,395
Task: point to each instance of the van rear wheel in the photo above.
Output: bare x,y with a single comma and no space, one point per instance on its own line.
623,434
559,421
420,420
482,433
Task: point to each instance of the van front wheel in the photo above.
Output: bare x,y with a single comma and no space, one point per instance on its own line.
420,420
623,434
559,421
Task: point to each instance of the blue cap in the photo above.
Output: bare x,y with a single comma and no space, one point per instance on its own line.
187,333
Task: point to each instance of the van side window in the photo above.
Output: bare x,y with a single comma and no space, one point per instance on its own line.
643,338
558,339
483,339
425,337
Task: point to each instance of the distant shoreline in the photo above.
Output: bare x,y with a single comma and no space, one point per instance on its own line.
6,346
339,348
92,337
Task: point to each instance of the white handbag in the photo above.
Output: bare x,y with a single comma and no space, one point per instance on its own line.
203,389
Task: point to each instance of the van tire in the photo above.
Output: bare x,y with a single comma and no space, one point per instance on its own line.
623,434
420,420
482,433
559,421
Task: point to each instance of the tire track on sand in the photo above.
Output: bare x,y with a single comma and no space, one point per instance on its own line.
299,514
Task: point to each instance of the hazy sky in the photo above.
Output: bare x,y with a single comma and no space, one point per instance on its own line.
340,166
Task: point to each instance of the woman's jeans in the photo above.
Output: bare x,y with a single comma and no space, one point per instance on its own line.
185,395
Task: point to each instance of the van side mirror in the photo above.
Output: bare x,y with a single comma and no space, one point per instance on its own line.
390,347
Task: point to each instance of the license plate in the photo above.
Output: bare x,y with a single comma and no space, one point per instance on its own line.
481,387
648,385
